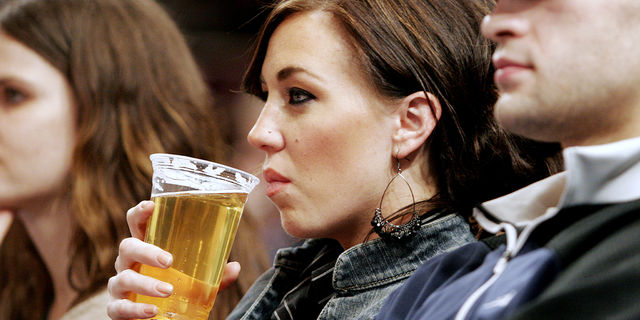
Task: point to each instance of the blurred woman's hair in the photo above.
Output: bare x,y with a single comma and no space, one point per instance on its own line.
138,91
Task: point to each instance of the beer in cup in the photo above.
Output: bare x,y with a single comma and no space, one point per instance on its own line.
198,205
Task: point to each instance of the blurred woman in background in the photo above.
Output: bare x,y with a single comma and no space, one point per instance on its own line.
88,90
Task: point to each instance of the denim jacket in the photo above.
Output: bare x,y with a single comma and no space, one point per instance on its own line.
363,276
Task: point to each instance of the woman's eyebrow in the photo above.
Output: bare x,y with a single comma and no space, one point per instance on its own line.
288,71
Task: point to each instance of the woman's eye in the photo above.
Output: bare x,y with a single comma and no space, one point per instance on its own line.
12,96
299,96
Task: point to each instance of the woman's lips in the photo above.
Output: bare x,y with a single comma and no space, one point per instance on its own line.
275,181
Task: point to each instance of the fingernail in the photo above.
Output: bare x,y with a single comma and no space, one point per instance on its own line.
164,259
150,311
144,204
164,288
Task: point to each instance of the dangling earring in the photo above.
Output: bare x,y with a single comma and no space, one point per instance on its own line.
388,230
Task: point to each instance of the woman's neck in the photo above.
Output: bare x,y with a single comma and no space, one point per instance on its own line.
398,195
6,219
51,228
401,193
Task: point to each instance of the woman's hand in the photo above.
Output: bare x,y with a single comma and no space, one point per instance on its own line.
133,251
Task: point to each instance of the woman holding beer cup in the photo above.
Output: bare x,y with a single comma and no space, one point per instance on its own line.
88,90
379,138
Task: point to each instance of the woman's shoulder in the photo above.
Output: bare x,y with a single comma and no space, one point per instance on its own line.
93,308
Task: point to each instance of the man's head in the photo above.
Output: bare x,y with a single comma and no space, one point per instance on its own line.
568,70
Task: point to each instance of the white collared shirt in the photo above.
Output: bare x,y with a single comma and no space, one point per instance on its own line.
601,174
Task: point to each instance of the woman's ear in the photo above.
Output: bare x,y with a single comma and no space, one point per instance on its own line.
418,114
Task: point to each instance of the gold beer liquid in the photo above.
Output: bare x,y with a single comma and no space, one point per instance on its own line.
198,229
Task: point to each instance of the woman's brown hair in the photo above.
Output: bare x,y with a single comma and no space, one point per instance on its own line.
435,46
138,91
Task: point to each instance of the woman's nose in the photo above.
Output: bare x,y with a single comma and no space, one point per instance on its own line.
265,134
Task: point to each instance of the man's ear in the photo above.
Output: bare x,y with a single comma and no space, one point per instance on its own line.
418,114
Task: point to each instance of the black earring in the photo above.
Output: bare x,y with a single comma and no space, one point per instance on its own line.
388,230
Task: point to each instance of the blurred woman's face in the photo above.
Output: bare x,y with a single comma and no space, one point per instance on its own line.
37,129
325,131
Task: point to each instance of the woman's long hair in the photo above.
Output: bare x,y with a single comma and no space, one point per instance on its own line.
138,91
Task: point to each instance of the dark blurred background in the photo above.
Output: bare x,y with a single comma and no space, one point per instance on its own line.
221,34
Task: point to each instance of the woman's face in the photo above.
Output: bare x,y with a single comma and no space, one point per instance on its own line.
37,132
326,132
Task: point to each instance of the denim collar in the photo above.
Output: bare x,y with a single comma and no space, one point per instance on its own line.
379,262
299,258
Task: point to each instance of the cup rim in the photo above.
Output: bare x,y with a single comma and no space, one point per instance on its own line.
251,180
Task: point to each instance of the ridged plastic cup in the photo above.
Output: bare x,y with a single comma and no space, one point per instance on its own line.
198,206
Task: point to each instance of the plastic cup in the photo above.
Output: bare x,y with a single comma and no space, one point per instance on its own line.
198,207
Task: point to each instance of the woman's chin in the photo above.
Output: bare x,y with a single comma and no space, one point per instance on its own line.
300,229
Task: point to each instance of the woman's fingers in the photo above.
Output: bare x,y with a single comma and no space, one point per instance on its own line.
134,251
137,218
122,309
128,281
230,275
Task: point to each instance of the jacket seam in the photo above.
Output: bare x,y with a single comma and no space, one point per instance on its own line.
259,298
